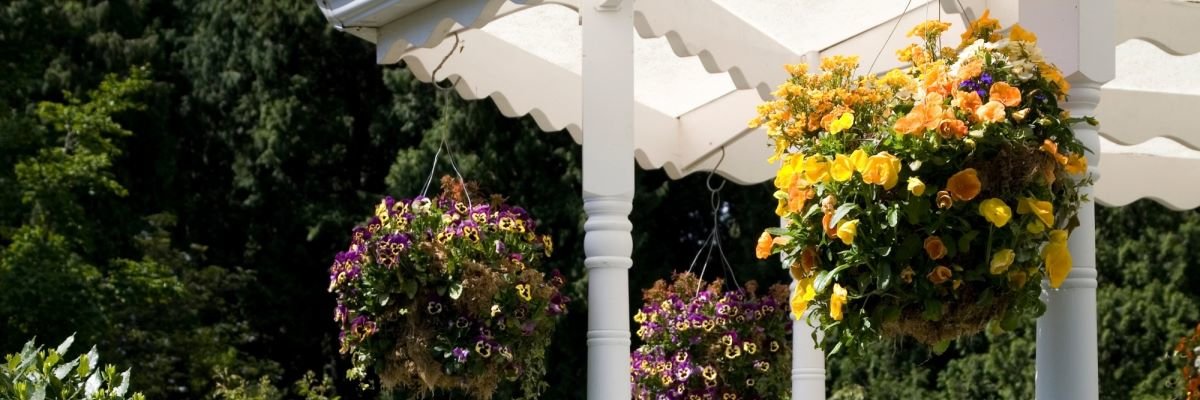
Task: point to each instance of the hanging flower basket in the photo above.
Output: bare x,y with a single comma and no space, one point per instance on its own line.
444,294
701,341
928,202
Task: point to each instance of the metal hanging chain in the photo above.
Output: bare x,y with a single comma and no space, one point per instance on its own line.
713,240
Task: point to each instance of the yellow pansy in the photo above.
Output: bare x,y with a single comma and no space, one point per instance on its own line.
1076,164
816,169
859,159
836,301
882,169
995,211
1001,260
1042,209
1057,258
792,165
846,231
842,168
524,291
916,186
842,123
804,294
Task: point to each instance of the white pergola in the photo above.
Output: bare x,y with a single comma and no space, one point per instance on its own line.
685,87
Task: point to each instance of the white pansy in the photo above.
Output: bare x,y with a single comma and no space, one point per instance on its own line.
1023,69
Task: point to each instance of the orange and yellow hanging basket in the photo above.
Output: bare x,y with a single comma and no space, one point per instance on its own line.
929,201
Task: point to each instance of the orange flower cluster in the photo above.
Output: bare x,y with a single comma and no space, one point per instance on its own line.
1188,349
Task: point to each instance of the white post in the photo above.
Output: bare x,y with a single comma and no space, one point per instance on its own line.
608,192
1077,35
808,360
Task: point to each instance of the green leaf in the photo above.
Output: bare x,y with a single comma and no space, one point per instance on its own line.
893,216
964,242
824,277
884,275
124,386
776,231
916,211
409,288
66,344
940,347
841,212
456,290
62,370
932,311
908,248
92,386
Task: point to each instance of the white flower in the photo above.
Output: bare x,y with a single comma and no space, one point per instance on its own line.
1023,69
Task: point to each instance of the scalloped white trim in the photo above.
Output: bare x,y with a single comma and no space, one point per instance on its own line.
1173,26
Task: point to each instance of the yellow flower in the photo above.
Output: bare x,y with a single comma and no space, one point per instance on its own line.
1001,260
995,211
836,301
1076,164
1019,34
804,294
1035,227
859,159
1042,209
792,165
842,123
763,249
846,231
928,29
1057,258
916,186
882,169
842,168
816,169
523,290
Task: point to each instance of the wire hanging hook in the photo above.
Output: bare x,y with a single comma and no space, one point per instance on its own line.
713,240
433,76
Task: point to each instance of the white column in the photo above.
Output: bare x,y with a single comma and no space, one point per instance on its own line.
608,191
1067,363
1077,35
808,360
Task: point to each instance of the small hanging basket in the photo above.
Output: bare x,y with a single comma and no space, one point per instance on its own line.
444,294
702,340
